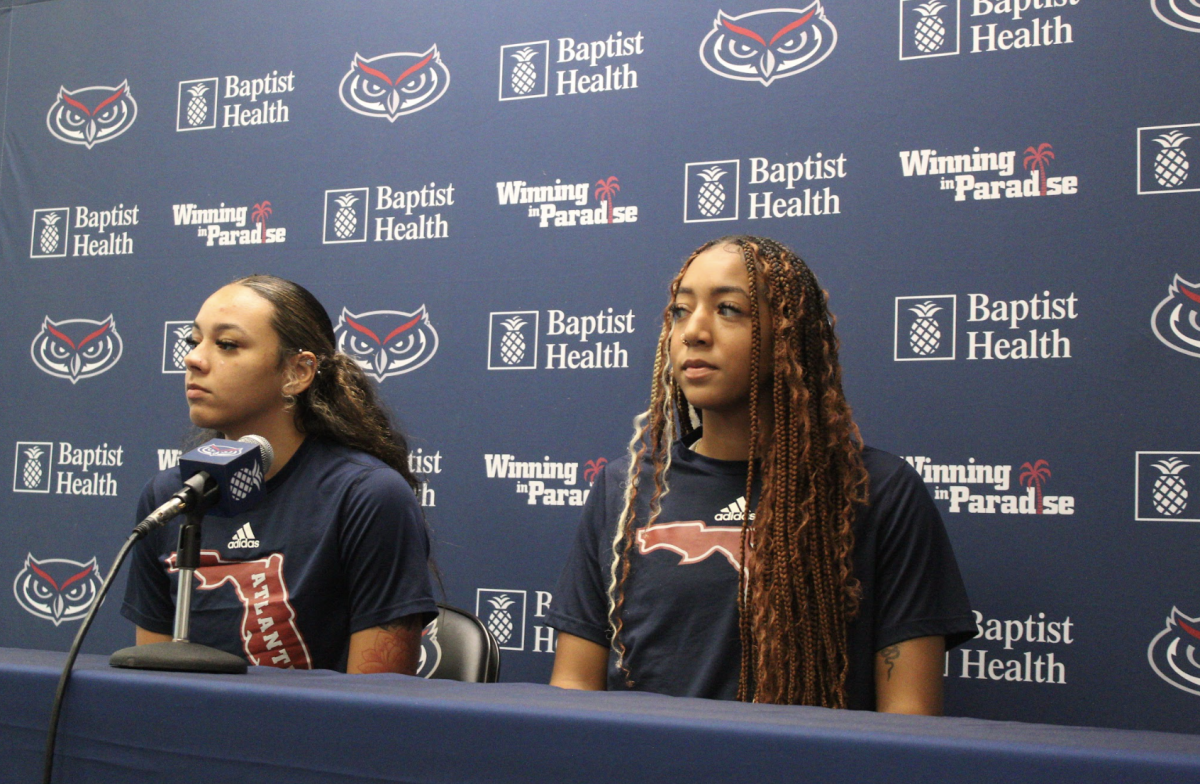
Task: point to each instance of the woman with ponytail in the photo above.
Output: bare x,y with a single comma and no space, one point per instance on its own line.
330,569
749,546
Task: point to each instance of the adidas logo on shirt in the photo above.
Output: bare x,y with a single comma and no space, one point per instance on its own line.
733,512
243,539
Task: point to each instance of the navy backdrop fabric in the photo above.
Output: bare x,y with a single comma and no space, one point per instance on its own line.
999,196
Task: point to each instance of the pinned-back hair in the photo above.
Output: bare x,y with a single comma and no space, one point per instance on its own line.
796,591
341,404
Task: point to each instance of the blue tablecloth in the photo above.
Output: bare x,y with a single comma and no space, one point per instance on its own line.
276,726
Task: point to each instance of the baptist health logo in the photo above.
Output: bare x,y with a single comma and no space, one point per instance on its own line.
711,191
929,28
51,227
199,99
1165,485
51,234
926,328
34,463
504,613
524,70
33,467
348,210
513,340
1164,158
176,345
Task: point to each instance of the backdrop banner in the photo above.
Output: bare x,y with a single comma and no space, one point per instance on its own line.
998,195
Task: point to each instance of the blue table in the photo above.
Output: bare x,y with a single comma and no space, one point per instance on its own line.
294,727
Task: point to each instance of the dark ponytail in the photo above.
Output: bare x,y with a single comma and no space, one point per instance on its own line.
341,404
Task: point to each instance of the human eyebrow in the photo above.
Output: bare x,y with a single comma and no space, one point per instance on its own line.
721,291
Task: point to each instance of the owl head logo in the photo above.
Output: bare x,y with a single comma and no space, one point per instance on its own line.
91,115
57,589
1177,13
762,46
1175,652
396,84
76,348
1176,320
431,650
387,343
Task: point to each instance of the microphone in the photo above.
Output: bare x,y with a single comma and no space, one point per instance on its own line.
219,475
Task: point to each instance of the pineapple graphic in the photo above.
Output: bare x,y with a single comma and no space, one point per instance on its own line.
925,334
344,220
245,482
1171,164
197,108
500,621
930,32
711,198
512,345
48,240
524,75
1170,493
181,347
31,474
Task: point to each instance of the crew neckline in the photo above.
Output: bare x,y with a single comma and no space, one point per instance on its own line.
687,454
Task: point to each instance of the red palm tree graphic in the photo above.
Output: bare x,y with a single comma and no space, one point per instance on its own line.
1039,158
592,469
261,213
605,190
1036,475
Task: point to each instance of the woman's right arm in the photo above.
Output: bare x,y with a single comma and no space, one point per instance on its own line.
579,664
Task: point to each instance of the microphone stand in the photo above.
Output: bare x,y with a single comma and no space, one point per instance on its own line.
180,655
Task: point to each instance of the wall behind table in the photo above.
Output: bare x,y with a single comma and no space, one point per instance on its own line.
1074,606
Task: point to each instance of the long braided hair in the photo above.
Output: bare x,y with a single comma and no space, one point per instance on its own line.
797,591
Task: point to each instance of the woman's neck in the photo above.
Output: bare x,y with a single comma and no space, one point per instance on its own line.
284,438
726,434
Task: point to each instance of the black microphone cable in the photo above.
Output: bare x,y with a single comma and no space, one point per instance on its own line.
48,766
200,492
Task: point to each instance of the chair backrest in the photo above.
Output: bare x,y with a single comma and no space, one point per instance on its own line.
457,646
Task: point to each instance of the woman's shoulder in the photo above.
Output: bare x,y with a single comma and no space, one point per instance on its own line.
329,461
885,467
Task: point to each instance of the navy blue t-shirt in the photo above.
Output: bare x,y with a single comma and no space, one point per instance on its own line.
680,616
337,545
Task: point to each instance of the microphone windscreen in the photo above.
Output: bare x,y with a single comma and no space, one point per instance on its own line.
268,453
237,469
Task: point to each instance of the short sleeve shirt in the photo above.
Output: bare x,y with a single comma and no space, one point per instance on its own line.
337,545
680,616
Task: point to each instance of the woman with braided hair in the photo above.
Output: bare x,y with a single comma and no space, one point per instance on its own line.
750,547
329,570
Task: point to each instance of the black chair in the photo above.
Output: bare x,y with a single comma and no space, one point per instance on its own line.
457,646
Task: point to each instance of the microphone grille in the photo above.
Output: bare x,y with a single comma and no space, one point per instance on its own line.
264,447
